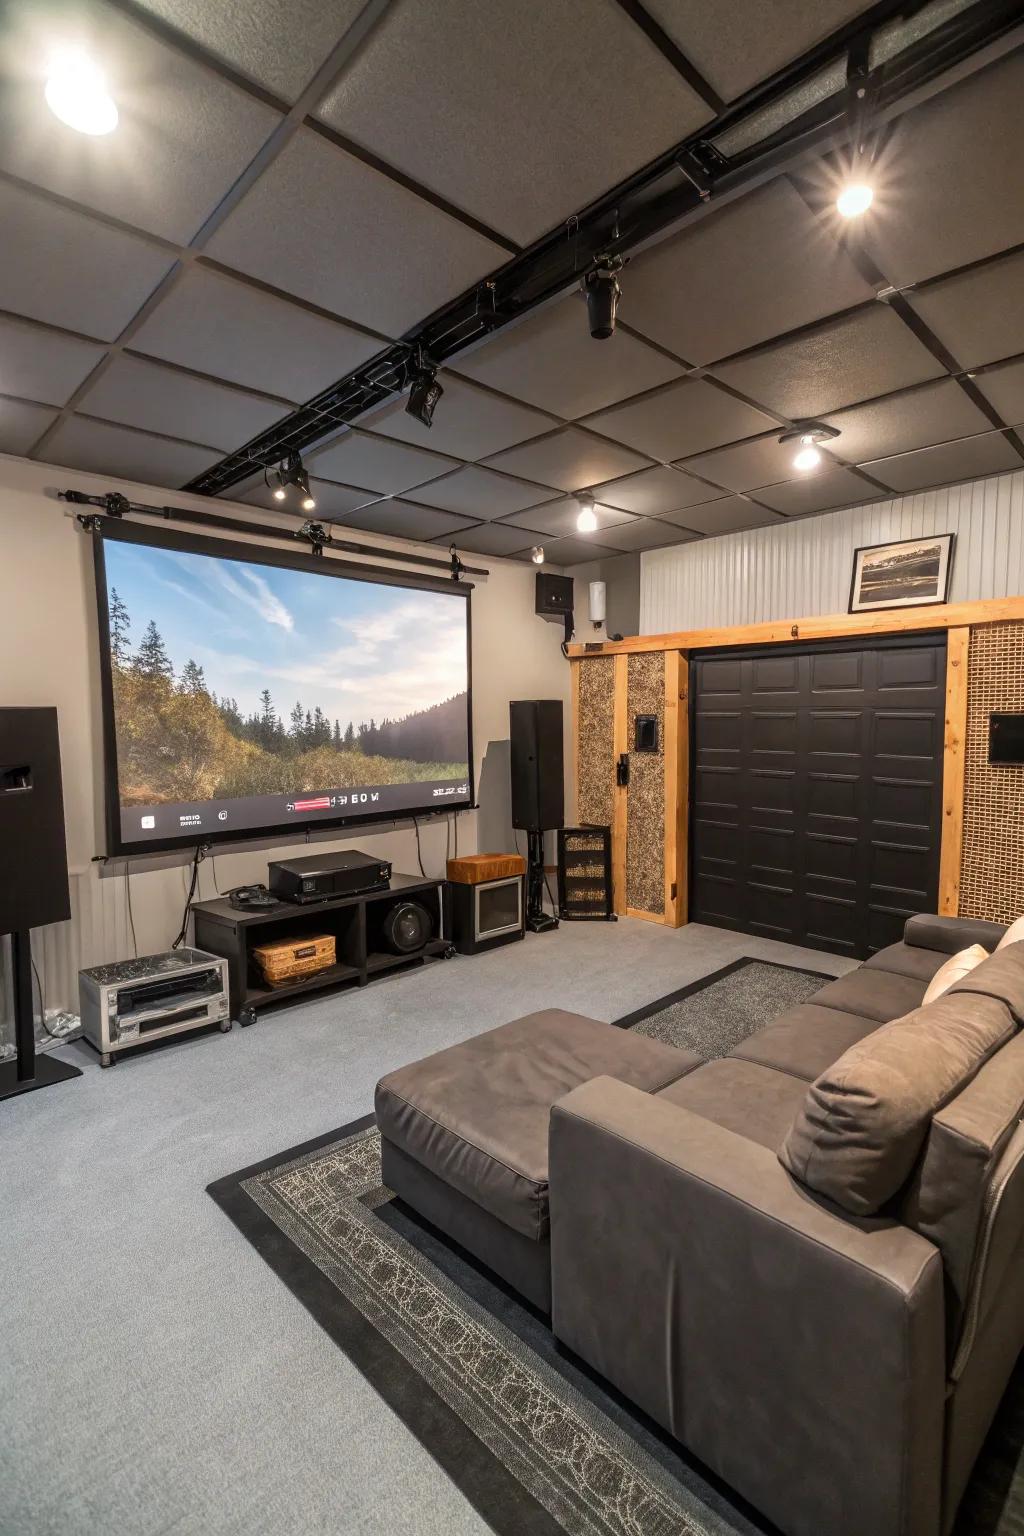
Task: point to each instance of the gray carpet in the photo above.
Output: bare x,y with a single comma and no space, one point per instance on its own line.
137,1397
712,1016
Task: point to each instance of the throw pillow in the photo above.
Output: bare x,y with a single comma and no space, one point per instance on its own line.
1013,935
954,969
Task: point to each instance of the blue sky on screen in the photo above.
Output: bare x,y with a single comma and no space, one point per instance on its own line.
357,649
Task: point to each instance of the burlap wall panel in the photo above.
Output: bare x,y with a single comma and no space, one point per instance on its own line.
645,816
992,865
595,752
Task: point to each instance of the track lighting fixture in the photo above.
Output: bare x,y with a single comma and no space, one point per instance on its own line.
76,92
424,390
807,437
291,471
537,554
601,286
586,520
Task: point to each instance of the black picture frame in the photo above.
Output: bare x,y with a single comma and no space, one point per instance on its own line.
888,594
231,549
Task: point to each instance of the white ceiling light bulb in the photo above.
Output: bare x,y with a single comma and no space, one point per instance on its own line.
279,493
807,458
537,554
76,92
586,521
308,504
855,199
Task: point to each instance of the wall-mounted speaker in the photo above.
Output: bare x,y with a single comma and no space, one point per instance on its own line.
554,594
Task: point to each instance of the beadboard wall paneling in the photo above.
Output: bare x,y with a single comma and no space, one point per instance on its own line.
803,567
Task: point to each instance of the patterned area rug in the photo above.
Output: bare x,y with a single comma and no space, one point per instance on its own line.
713,1015
534,1440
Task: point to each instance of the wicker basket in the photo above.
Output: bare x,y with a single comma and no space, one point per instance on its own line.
290,960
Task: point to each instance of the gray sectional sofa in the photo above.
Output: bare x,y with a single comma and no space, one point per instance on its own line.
838,1370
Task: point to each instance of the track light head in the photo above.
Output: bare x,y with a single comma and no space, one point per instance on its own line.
537,554
601,287
424,390
292,471
279,493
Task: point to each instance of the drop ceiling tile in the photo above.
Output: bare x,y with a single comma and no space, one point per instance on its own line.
745,41
183,138
832,488
729,515
21,424
559,519
702,295
469,423
551,360
217,325
423,94
646,533
570,460
42,365
919,226
480,493
57,266
80,443
331,500
495,539
279,46
321,224
403,520
978,315
566,552
839,363
763,461
681,419
359,458
972,458
655,491
1003,386
156,399
916,418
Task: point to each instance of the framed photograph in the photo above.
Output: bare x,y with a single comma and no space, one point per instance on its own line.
910,574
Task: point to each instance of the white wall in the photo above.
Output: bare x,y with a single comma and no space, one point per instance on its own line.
48,646
801,568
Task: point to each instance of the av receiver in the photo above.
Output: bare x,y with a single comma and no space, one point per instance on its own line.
323,876
132,1001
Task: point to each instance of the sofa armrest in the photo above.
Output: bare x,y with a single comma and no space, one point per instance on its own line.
949,935
796,1350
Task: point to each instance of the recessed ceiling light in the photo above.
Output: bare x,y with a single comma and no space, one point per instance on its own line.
76,92
586,521
855,199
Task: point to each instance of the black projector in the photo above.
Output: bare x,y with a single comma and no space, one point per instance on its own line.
326,876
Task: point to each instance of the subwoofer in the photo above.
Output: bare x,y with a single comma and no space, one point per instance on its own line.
406,928
33,853
536,760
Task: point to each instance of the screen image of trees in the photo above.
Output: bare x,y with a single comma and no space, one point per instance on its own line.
178,741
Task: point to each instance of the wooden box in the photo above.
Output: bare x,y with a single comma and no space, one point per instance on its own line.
289,960
475,868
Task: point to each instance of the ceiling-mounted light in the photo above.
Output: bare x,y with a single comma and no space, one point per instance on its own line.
76,92
808,435
537,554
601,286
292,471
424,390
279,493
855,198
586,519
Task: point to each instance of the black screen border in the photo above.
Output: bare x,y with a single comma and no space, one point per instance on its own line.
258,554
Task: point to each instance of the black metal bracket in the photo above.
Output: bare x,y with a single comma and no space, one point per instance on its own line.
457,565
317,535
622,770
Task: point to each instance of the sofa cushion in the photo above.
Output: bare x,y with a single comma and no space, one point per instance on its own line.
476,1114
1013,935
1001,976
952,970
805,1040
878,995
742,1096
907,960
925,930
945,1199
863,1122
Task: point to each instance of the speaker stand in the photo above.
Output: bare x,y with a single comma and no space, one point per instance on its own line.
537,920
28,1071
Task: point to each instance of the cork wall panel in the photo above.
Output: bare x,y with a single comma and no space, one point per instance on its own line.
992,866
645,813
595,750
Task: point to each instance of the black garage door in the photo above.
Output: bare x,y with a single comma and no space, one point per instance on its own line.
817,791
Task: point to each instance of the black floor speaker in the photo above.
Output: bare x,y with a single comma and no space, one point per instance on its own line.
33,855
536,758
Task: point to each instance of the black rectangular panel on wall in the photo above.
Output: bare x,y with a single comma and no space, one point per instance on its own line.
817,789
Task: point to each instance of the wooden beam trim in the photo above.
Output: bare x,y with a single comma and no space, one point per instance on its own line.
993,610
677,787
620,744
951,846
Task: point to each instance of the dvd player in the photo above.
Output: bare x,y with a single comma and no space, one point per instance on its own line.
326,876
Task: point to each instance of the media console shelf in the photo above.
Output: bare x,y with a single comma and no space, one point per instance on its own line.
355,922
